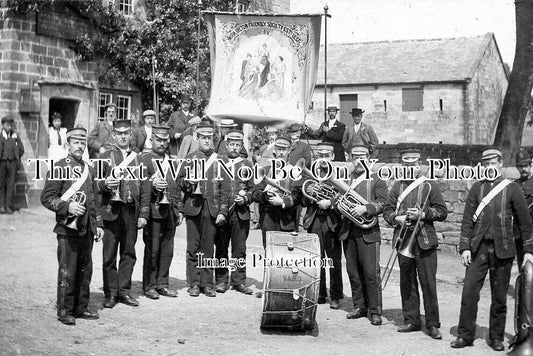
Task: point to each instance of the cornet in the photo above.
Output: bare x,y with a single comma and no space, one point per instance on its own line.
78,197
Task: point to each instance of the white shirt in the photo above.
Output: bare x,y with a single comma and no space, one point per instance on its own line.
124,153
148,141
332,123
356,127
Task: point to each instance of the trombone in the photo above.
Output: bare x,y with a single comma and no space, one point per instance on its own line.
402,245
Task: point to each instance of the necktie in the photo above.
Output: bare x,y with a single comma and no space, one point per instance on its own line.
58,138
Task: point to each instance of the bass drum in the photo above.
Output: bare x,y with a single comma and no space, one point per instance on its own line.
291,280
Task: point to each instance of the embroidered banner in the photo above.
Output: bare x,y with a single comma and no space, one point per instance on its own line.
263,67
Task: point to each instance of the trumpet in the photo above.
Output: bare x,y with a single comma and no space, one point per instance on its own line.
403,246
78,197
163,200
116,191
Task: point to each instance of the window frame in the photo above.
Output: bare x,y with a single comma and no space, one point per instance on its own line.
120,108
126,4
101,108
408,104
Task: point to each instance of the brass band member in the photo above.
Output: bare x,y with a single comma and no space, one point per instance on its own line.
205,205
238,225
406,208
121,203
487,243
523,164
322,219
73,201
277,210
361,246
163,217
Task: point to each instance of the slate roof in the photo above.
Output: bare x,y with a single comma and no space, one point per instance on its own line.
407,61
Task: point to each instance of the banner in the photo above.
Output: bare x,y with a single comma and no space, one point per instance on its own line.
263,67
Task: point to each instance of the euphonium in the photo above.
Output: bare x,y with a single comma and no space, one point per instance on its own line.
276,188
78,197
522,344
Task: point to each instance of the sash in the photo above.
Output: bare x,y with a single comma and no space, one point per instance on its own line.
234,162
408,190
485,201
354,184
127,160
77,184
164,166
210,161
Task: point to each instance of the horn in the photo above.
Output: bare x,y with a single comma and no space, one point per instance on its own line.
522,344
78,197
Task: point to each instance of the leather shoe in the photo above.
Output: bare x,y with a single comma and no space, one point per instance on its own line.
496,345
151,294
221,287
434,333
208,291
194,291
357,313
165,292
321,300
87,315
375,319
67,320
110,302
334,304
407,328
459,343
128,300
243,289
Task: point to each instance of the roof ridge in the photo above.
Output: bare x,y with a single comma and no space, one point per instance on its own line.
408,40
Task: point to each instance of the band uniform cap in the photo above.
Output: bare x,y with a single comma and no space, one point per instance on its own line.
332,108
121,125
325,147
161,131
359,150
294,127
235,135
283,142
491,153
357,112
271,129
7,119
205,130
79,133
410,155
194,121
227,123
523,157
149,113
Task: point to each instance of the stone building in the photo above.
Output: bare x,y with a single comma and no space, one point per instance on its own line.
427,91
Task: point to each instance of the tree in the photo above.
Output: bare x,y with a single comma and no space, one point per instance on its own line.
518,96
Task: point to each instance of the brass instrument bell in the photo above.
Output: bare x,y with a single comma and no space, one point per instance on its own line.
80,198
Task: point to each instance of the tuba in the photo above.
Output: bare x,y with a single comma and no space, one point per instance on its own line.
78,197
522,344
346,198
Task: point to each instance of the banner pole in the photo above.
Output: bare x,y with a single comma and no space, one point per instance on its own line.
198,55
326,15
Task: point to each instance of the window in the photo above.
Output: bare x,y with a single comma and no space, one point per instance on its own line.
125,6
123,107
103,100
242,5
412,99
385,105
440,104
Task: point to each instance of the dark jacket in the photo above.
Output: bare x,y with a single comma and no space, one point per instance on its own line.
178,123
365,136
138,138
334,135
435,210
375,191
109,210
215,191
100,136
496,219
19,149
300,150
51,199
236,185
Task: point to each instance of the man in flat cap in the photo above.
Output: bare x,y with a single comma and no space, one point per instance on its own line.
322,219
11,150
237,227
266,152
523,164
205,206
360,133
361,243
488,244
189,139
178,122
141,137
224,126
101,137
121,201
332,131
414,199
278,208
162,218
74,201
299,149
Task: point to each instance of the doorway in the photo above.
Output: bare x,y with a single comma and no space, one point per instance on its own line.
68,108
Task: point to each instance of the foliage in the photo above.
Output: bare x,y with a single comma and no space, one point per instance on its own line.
164,30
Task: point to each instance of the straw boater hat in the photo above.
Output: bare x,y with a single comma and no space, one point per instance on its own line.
333,108
161,131
227,123
410,155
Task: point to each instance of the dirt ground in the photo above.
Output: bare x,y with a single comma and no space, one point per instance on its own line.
227,324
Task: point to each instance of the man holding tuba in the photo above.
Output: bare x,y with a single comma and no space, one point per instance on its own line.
487,243
414,203
73,200
362,245
162,217
122,200
322,219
